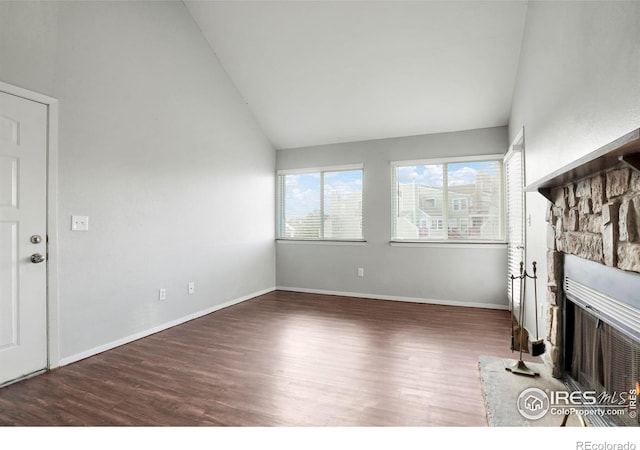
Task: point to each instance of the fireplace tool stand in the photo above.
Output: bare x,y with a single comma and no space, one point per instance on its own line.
519,367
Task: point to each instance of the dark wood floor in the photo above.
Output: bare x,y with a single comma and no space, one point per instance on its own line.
281,359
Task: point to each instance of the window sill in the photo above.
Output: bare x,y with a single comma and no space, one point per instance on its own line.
450,244
360,243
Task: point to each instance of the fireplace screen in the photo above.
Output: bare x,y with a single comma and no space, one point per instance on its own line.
603,359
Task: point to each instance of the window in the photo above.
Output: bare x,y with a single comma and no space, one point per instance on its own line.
466,194
459,204
429,203
464,226
320,204
476,222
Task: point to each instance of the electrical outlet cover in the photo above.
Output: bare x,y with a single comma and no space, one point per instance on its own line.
80,223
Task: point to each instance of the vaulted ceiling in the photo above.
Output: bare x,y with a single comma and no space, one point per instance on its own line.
319,72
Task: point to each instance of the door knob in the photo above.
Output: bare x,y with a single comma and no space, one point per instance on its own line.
37,258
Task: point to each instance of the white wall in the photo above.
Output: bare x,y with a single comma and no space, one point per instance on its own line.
578,88
159,149
450,275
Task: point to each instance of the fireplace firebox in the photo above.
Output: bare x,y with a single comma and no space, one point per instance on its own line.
602,337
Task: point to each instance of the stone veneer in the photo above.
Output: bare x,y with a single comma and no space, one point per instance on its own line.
596,218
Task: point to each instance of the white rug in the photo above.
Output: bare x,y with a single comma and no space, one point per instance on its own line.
501,389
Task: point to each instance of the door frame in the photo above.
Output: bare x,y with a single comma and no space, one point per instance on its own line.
53,316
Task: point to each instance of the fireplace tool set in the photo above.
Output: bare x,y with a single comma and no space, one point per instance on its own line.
519,335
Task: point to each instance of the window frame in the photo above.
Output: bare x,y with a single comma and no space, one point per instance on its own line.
430,202
281,194
394,165
463,204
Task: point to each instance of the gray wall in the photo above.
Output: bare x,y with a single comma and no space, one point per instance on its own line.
578,88
466,275
159,149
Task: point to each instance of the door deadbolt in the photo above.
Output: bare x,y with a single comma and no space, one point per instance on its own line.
35,239
37,258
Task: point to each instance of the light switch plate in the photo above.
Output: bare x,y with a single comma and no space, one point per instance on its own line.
79,223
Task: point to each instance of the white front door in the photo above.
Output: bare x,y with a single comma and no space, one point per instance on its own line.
23,240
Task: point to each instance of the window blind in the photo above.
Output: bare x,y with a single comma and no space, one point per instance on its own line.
320,204
448,200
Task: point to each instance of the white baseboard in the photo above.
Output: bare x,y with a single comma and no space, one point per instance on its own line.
156,329
396,298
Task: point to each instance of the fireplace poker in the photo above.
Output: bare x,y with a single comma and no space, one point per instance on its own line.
513,343
537,346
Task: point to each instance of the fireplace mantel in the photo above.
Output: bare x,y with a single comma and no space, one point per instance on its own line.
625,150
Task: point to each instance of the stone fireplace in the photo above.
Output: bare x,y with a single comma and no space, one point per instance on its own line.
593,266
598,219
